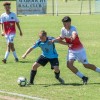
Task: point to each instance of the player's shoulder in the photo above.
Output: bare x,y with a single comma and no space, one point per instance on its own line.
12,13
50,37
63,28
3,14
73,28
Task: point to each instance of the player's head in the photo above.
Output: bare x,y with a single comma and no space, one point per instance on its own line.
6,5
66,22
43,36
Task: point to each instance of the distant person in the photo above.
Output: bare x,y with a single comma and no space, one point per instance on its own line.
49,54
76,50
8,21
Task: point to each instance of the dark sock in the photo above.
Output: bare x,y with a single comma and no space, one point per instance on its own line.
32,76
57,75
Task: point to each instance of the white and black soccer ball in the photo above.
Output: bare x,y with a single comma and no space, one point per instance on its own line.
22,81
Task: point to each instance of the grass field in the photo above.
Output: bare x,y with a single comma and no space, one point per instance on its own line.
46,85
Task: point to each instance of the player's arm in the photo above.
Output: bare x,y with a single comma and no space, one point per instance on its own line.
73,37
30,49
59,40
27,52
18,25
2,29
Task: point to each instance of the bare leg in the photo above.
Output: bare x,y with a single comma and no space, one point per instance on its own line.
92,67
14,52
7,52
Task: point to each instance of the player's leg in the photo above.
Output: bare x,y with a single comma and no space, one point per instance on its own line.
83,58
33,72
92,67
40,61
55,65
12,46
14,52
70,64
8,49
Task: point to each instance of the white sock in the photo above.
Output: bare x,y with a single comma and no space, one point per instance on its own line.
97,70
14,53
79,74
6,55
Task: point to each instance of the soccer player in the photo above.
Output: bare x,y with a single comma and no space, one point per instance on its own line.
76,50
8,21
49,54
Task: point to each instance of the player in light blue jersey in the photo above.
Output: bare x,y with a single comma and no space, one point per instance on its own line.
49,54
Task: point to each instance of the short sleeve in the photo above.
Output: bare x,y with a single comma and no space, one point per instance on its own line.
62,35
74,30
36,45
16,18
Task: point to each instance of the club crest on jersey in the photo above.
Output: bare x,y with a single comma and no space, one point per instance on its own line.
12,17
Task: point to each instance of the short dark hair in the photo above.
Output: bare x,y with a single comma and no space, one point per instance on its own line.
6,3
66,19
43,33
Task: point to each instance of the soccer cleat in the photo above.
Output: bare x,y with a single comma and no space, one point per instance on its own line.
85,80
61,80
16,60
4,61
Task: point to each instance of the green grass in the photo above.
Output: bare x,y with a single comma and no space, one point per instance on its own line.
46,85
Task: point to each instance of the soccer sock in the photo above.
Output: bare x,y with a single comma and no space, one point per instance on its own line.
57,75
97,70
6,55
32,75
14,53
79,74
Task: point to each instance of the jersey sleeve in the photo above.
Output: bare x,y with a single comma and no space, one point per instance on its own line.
74,30
16,18
36,45
62,35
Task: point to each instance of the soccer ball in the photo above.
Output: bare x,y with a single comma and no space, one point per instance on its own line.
22,81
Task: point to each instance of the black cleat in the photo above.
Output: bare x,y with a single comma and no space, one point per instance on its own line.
16,60
61,80
85,80
4,61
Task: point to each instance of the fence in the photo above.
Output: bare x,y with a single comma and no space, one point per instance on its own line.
58,7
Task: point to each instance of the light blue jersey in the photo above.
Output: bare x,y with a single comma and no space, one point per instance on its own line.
48,50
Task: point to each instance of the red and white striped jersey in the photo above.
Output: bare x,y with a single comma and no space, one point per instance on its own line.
9,20
66,34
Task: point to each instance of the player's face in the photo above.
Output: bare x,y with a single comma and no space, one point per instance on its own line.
42,38
7,8
67,24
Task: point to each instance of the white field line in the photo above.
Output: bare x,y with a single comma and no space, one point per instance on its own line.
21,95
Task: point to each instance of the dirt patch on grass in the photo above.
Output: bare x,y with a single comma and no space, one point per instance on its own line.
8,98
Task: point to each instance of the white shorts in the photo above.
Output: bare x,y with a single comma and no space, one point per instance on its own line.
10,38
78,55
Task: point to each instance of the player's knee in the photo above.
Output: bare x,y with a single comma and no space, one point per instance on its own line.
12,47
85,65
69,64
56,69
35,66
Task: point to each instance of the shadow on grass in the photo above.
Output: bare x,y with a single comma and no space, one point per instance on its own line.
25,62
58,84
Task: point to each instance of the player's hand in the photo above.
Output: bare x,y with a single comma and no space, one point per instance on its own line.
21,34
52,41
70,45
24,56
2,34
